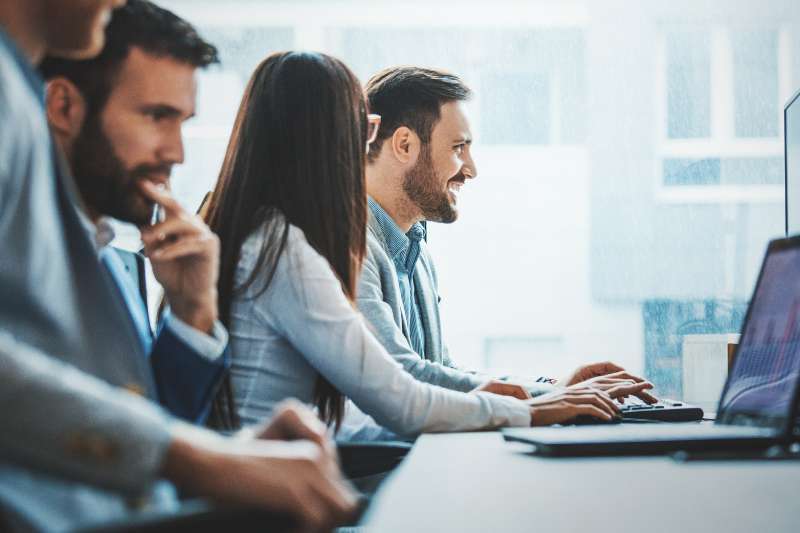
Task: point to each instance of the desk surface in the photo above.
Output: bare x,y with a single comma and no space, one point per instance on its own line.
476,482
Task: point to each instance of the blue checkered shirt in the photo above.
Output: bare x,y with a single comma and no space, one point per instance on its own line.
404,250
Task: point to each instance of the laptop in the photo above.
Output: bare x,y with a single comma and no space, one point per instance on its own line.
758,404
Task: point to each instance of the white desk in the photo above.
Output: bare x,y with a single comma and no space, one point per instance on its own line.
475,482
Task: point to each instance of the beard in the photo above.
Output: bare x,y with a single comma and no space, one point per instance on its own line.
422,187
106,186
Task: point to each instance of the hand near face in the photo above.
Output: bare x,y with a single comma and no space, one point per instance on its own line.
504,389
611,378
184,253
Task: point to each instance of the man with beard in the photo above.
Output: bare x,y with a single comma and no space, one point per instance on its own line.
118,120
78,448
415,169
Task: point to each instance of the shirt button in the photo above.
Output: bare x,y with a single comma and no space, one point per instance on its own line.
134,388
417,233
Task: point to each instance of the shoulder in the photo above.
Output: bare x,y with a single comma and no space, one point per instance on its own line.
21,116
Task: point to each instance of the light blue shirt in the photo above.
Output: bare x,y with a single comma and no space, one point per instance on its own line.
303,326
404,249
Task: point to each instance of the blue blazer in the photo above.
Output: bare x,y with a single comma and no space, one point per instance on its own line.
185,380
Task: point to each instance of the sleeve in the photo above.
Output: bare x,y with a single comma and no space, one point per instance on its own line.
188,368
536,386
307,306
379,315
210,347
68,423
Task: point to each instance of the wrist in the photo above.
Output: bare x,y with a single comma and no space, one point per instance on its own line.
199,313
189,457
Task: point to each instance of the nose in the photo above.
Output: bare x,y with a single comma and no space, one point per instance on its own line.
469,169
172,148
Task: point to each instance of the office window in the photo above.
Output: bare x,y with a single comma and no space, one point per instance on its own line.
755,67
724,171
507,119
523,95
629,158
724,88
689,84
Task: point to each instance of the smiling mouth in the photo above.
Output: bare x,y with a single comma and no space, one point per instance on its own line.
455,184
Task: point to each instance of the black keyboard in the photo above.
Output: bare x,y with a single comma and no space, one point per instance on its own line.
663,411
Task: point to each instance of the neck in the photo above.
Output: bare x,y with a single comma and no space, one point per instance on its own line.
23,22
387,189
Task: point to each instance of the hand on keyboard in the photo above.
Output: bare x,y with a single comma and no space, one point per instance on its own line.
621,385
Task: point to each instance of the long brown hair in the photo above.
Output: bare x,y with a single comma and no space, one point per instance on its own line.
297,148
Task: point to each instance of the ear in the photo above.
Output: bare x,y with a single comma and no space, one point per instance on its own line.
405,145
66,109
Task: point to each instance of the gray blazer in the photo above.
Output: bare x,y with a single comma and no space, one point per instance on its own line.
74,447
380,301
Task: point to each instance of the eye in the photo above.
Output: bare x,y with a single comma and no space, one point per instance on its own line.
157,114
459,147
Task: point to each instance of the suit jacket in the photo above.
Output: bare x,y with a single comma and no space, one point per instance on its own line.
380,301
74,446
186,380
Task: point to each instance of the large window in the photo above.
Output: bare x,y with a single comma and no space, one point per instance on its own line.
722,88
629,158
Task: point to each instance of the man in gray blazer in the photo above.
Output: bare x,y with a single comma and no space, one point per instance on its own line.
416,168
82,443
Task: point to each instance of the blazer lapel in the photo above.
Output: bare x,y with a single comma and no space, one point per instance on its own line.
375,229
428,309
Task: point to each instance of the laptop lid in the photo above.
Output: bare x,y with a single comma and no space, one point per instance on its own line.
762,387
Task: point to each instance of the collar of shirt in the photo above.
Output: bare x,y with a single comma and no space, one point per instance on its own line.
101,234
403,248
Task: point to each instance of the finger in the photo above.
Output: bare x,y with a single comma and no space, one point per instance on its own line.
182,248
621,391
646,397
608,400
592,399
591,410
172,227
625,375
309,511
292,424
606,380
338,499
517,391
160,196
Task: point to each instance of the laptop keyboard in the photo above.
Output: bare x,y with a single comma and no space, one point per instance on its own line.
663,411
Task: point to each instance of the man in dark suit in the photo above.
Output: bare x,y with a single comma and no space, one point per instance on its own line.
118,119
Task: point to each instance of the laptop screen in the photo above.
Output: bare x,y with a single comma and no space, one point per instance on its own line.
762,385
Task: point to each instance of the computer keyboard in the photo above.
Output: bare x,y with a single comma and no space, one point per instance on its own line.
664,411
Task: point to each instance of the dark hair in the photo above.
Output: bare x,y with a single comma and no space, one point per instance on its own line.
411,97
297,149
138,24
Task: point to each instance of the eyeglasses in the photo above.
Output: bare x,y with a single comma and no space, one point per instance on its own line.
373,123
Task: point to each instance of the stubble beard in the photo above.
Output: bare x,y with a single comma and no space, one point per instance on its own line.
422,187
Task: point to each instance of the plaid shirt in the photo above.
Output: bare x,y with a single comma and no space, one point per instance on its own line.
404,250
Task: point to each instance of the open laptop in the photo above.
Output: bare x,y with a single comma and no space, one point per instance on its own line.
757,407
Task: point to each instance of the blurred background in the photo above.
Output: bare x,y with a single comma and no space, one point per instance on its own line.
629,156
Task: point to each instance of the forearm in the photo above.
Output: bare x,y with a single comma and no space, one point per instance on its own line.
68,423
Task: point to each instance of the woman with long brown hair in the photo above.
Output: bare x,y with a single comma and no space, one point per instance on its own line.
290,209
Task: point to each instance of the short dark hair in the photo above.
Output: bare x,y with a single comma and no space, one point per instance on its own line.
411,97
139,23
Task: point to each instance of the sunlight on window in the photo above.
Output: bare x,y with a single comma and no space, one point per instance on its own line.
630,161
